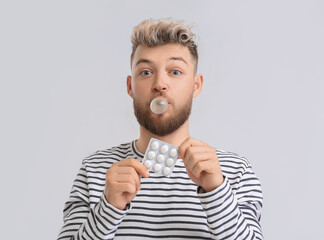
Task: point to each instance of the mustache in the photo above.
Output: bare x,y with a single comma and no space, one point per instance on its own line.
164,96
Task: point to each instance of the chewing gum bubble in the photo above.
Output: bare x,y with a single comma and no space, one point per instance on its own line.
159,105
160,157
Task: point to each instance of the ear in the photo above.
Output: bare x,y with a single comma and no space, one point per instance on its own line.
129,86
199,80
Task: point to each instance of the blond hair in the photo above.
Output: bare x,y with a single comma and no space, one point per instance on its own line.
152,33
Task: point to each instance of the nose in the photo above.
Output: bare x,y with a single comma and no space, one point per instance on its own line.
160,83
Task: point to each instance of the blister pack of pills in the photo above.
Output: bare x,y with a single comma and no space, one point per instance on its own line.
160,157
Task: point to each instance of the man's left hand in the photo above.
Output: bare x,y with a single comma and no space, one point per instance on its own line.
202,164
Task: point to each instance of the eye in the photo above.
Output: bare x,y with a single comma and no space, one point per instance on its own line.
175,72
145,73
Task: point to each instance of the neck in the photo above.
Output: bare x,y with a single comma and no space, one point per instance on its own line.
175,138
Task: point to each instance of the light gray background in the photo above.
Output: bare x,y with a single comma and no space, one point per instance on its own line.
63,96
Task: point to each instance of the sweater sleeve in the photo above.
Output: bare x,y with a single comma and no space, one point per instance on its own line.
234,212
84,222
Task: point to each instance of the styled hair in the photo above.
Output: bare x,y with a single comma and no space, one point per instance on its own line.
157,32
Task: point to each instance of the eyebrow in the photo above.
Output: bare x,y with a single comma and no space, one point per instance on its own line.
178,59
144,60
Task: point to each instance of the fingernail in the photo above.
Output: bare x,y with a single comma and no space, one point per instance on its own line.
147,173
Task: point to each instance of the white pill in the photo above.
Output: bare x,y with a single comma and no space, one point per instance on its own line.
151,154
154,145
160,158
157,167
169,161
166,171
173,152
164,149
159,105
148,163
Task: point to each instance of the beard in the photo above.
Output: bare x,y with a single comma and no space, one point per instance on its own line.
160,125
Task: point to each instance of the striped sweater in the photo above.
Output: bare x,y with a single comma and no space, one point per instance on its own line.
164,208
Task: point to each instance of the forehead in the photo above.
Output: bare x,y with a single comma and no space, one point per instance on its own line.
162,54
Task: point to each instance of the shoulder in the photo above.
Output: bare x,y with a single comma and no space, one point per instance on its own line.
232,164
110,155
231,157
237,169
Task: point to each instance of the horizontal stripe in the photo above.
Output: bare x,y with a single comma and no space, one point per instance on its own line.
164,208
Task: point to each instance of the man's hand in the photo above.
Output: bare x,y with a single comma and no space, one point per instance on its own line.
123,180
201,163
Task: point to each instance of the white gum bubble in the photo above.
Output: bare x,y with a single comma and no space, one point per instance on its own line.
159,105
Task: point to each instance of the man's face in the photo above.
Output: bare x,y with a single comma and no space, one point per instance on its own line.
166,71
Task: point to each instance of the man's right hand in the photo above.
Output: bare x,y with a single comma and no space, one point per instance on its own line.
123,181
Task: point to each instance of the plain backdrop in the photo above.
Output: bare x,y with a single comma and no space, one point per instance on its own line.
63,69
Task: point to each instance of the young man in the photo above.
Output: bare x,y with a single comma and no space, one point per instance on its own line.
211,194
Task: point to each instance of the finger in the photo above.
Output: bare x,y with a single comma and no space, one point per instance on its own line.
125,172
189,142
193,157
198,152
137,165
116,170
201,166
126,187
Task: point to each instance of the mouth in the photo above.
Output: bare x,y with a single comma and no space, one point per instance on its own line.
159,105
163,97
